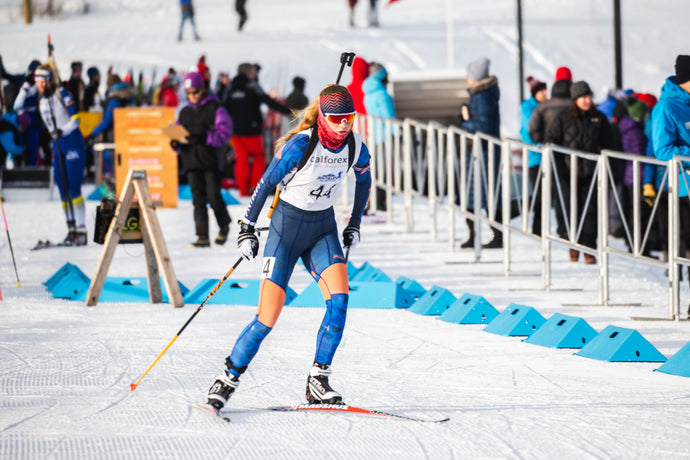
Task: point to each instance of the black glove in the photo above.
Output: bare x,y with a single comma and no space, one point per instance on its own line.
177,145
247,241
90,140
57,134
350,236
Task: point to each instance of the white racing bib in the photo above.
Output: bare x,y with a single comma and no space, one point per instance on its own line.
315,187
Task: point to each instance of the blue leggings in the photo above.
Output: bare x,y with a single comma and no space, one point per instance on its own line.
313,237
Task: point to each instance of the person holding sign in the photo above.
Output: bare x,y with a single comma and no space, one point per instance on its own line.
203,157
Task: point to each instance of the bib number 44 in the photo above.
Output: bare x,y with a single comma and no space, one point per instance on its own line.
320,193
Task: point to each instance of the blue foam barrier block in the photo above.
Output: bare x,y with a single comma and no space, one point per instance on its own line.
68,283
365,294
562,331
310,297
231,292
125,289
58,275
678,364
368,272
617,344
351,269
516,320
412,291
470,309
434,302
96,195
185,193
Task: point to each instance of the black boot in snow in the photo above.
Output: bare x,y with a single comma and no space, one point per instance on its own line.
470,241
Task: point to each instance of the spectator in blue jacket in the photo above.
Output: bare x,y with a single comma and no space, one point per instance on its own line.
483,116
671,133
538,95
378,103
10,143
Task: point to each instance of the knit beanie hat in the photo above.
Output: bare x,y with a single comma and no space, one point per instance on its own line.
193,80
535,85
579,89
682,68
92,72
244,68
637,109
337,102
648,99
563,73
478,69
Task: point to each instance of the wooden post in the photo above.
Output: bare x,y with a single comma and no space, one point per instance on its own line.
157,256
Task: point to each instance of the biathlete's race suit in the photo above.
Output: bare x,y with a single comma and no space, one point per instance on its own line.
303,226
60,109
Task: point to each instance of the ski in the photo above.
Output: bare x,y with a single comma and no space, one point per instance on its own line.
212,411
343,408
47,244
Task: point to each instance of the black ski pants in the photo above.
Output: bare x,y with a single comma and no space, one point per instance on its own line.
205,188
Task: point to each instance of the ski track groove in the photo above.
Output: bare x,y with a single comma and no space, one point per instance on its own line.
543,377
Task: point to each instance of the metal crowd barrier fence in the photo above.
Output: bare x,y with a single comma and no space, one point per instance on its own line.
464,174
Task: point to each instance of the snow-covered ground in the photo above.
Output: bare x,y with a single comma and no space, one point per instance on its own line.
65,369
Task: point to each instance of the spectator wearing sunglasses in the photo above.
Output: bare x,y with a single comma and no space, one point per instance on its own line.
243,103
203,156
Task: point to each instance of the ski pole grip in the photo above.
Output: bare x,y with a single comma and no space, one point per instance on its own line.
345,59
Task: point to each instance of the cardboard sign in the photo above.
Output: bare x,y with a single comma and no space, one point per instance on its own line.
142,144
177,133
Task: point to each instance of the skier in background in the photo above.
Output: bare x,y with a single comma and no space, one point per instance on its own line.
242,12
187,10
372,16
58,112
303,226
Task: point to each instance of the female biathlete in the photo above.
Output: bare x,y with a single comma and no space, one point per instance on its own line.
303,226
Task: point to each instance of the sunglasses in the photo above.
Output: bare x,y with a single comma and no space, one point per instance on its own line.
193,92
340,117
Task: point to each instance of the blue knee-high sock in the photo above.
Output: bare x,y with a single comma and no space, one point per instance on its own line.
247,346
331,330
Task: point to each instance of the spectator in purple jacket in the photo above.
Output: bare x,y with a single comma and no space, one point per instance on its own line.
203,156
634,141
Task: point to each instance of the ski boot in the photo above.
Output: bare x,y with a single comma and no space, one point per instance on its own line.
80,236
75,237
223,235
318,389
222,389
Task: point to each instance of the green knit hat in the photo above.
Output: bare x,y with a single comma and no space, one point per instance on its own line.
637,110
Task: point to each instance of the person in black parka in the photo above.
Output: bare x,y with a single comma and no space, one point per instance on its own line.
582,127
203,156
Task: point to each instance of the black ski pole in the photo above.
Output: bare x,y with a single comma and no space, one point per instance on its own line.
7,229
345,58
133,386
